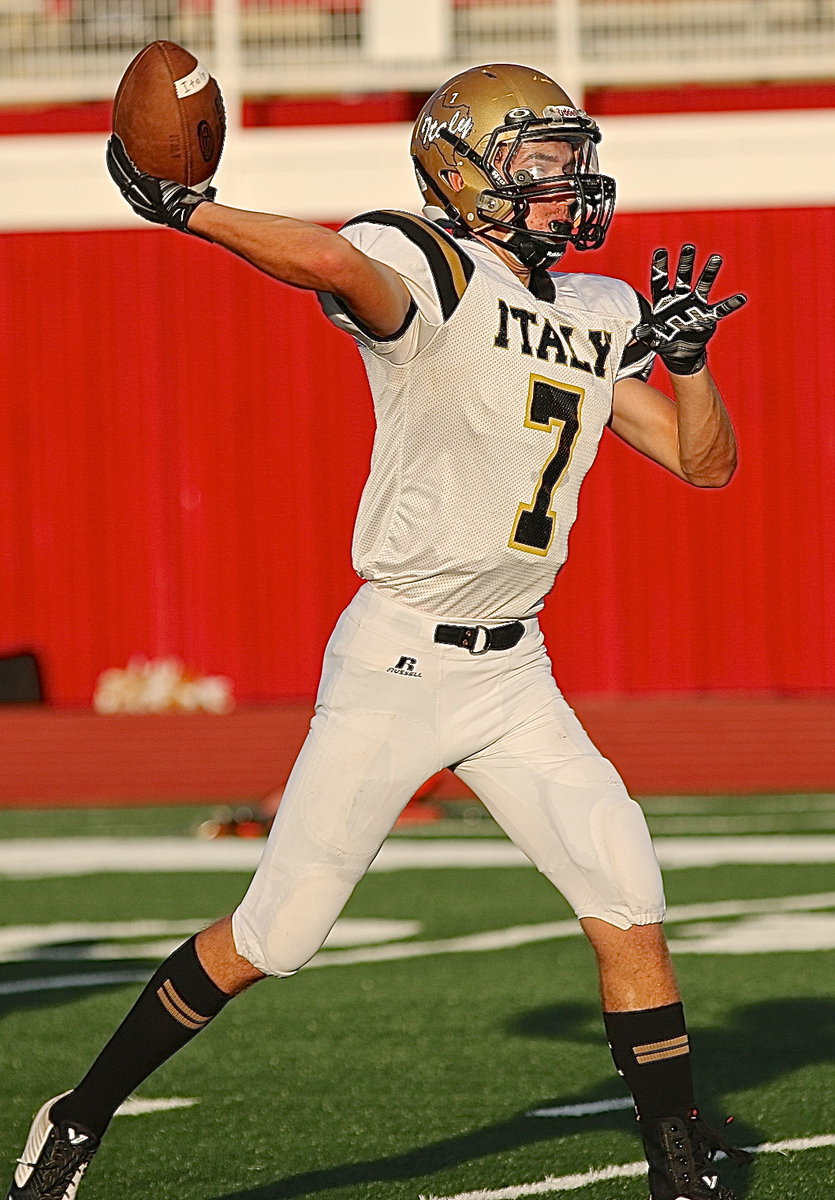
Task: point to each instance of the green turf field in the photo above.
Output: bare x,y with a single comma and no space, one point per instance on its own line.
452,1003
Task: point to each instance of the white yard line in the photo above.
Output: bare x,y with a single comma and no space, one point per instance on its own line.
572,1183
60,983
41,858
77,941
17,940
590,1109
135,1107
717,851
744,940
35,858
807,902
493,939
768,933
551,1183
347,929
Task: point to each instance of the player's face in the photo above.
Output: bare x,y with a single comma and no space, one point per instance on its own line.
534,160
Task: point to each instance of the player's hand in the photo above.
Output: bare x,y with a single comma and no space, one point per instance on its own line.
159,200
683,320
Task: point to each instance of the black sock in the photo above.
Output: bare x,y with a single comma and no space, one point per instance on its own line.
652,1052
176,1004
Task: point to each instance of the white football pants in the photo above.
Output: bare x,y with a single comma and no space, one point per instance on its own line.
393,708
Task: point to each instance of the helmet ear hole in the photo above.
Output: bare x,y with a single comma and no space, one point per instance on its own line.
453,179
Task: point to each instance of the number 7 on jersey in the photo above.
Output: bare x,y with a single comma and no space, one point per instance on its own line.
550,406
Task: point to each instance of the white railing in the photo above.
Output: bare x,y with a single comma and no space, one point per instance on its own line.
77,49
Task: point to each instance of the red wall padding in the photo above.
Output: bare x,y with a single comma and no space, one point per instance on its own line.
184,442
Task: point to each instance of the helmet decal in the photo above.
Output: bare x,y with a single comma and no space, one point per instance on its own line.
460,123
563,112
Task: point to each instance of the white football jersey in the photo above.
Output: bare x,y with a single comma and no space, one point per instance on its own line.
490,404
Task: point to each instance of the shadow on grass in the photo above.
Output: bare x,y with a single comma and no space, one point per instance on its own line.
46,989
761,1042
418,1163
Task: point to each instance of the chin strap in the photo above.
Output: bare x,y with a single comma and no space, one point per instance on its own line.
540,284
529,250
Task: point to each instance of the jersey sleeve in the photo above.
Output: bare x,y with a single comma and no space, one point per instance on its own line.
433,266
637,360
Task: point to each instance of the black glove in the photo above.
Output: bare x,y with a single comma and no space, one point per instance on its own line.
159,200
683,321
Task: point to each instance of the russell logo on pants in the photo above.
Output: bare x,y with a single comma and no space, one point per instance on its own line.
405,666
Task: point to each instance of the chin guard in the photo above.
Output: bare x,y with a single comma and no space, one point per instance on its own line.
535,253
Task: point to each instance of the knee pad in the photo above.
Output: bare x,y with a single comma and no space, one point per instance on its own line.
279,934
605,865
630,887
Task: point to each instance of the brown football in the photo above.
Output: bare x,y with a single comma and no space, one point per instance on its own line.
169,113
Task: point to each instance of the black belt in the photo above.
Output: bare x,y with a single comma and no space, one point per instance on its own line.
496,637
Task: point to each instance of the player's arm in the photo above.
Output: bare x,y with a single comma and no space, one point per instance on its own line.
310,256
296,252
692,436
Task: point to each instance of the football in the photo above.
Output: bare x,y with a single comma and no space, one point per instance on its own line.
169,113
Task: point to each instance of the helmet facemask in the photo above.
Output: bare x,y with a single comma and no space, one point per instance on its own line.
581,199
522,181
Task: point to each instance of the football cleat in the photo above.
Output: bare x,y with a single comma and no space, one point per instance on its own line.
54,1159
680,1152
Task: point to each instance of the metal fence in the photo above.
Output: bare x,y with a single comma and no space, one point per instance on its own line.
77,49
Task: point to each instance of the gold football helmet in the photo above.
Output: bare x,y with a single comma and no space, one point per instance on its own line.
471,151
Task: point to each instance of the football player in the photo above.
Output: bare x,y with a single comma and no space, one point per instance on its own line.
493,378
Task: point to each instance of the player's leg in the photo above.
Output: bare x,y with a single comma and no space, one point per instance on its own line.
573,818
634,965
643,1015
373,742
642,1010
566,807
648,1039
332,824
355,773
180,1000
183,996
353,778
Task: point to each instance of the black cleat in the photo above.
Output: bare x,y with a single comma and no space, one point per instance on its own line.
680,1152
54,1159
